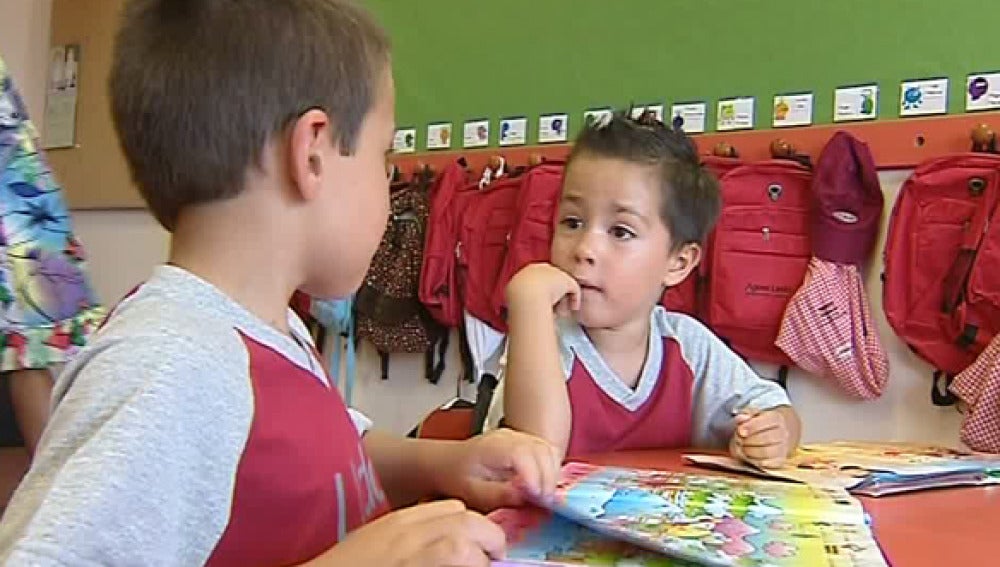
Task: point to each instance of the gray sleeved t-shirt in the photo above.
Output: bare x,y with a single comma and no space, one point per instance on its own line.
138,463
724,384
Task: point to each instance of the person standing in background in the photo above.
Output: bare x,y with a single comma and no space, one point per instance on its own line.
47,306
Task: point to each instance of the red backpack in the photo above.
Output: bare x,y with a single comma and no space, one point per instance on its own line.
483,232
438,276
479,236
942,261
758,254
530,239
686,297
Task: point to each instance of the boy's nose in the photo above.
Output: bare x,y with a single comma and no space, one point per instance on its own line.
584,251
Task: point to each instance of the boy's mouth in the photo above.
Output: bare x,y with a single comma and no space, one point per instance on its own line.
588,286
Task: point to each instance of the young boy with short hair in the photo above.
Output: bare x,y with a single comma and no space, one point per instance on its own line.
199,426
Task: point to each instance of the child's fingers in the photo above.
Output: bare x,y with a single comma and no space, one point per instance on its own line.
573,295
484,533
574,300
527,469
562,308
746,415
416,532
466,531
536,467
552,463
766,438
774,463
763,452
425,512
759,423
452,552
566,306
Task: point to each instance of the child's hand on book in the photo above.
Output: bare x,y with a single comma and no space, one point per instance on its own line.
544,285
436,534
762,438
503,468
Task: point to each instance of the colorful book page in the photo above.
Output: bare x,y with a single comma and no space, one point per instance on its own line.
713,520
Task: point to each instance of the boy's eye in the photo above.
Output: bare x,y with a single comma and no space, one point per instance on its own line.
622,233
572,223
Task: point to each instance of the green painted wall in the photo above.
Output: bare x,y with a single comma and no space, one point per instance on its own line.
463,59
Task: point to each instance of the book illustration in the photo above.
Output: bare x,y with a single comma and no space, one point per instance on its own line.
539,537
900,458
873,469
699,519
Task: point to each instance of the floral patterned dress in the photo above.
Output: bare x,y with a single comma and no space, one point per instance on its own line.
47,305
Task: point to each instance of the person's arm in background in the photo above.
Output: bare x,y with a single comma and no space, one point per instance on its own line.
536,400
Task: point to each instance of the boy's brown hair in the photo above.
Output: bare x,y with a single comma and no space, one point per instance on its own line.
199,87
690,201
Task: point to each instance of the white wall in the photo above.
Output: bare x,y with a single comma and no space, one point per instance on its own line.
24,39
124,245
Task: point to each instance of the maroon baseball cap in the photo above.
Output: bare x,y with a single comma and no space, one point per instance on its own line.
847,201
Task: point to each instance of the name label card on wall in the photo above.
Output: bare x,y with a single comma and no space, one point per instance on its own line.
514,131
405,141
439,136
735,114
597,116
553,128
656,109
924,97
692,116
982,92
476,134
793,110
855,103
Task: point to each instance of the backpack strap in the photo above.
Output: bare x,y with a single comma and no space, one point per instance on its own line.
345,341
783,377
484,397
442,350
465,355
384,363
338,316
429,366
958,274
434,358
941,394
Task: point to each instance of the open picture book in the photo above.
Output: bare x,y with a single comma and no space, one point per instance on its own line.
872,469
631,517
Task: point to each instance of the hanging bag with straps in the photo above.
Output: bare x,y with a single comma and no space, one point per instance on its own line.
941,291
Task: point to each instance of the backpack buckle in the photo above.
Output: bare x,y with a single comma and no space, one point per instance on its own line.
976,186
774,191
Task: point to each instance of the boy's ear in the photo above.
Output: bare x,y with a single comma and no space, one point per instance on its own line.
307,149
681,263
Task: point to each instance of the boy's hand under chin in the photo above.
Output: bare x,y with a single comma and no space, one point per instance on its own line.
763,438
542,285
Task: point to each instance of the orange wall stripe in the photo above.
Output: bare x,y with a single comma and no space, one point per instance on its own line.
895,144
